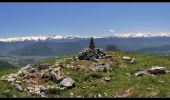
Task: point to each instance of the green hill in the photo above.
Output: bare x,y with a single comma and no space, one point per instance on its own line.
123,83
5,65
47,49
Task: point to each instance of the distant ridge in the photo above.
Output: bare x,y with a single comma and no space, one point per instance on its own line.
59,37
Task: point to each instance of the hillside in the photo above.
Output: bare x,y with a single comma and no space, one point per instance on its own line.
5,65
47,49
121,83
159,50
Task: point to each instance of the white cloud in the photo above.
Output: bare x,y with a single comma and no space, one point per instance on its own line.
111,30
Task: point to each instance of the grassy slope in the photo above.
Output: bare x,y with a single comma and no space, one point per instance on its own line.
146,86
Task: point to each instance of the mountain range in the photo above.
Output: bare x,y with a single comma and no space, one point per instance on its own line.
55,45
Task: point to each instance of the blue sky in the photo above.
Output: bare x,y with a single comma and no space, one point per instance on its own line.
24,19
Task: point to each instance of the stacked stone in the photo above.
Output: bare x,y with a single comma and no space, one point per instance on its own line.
91,53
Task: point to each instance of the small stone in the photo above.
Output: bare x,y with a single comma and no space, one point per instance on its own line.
18,82
79,96
67,82
107,79
30,88
140,73
99,95
71,93
48,86
18,87
43,89
105,94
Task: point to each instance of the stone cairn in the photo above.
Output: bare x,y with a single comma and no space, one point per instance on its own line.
91,53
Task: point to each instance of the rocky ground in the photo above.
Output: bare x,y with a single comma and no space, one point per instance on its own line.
34,80
115,75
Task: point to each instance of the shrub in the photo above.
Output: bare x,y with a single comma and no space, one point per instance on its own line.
112,47
54,91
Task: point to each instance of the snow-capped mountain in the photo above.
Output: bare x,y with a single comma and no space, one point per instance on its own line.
59,37
141,34
39,38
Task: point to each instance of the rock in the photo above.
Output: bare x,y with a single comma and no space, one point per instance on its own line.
76,58
126,58
25,68
43,95
30,88
133,61
67,82
43,89
107,79
32,70
48,86
91,53
167,71
56,74
71,94
31,92
12,75
11,79
18,87
99,95
157,70
105,94
140,73
43,66
18,82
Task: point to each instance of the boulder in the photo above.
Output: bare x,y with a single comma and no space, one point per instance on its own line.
67,82
18,87
157,70
56,74
133,61
126,58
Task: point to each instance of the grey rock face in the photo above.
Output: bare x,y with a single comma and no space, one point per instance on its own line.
18,87
67,82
